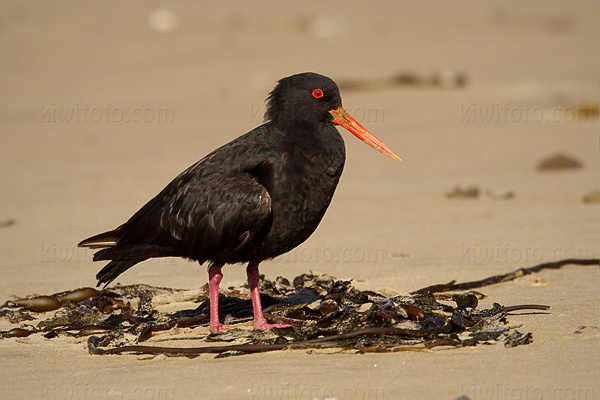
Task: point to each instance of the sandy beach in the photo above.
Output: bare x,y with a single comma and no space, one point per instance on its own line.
103,104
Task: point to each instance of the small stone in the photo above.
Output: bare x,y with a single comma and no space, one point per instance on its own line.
471,192
592,197
7,223
559,162
365,307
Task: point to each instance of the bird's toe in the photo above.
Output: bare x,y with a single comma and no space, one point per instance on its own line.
265,326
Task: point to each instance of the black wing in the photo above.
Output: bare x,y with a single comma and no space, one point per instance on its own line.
208,212
208,219
214,218
205,219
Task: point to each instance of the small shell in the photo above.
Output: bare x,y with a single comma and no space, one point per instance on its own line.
298,281
538,282
328,306
77,324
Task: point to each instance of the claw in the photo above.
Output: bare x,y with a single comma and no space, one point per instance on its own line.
265,326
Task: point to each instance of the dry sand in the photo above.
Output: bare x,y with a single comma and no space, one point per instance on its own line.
211,68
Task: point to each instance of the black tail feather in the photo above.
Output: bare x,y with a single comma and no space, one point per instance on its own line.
101,240
133,252
113,269
124,257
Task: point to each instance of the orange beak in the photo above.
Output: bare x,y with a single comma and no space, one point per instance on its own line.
342,118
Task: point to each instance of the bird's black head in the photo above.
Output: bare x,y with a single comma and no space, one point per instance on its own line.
311,98
303,97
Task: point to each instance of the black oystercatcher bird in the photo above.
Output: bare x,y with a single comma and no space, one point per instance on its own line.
250,200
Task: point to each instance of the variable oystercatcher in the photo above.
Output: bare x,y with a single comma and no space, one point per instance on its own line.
250,200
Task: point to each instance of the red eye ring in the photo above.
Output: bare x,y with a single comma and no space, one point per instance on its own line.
317,93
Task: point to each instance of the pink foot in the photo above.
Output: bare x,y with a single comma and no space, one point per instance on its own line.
265,326
259,320
217,328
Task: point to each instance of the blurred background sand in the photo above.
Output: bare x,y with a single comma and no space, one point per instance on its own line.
102,104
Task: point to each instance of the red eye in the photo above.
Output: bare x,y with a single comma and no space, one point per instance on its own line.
317,93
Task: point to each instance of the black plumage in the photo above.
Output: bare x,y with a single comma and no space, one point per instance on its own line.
252,199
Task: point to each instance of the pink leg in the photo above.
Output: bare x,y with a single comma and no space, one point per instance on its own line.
259,319
214,278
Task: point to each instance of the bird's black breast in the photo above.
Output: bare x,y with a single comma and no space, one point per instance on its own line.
301,182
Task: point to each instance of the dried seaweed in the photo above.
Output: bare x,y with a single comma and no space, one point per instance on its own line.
517,338
445,287
325,312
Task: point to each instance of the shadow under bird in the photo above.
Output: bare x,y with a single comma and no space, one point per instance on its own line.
253,199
